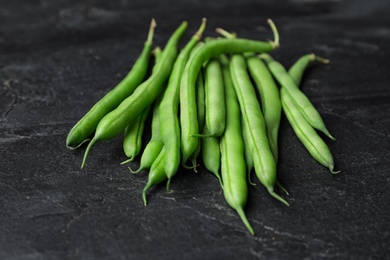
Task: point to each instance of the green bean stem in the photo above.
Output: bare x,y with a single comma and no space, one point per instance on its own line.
170,128
84,128
270,100
263,159
300,99
114,123
233,168
188,117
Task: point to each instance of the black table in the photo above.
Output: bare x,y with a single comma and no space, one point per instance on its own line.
57,58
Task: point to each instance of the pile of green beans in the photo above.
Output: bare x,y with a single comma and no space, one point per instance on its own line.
219,102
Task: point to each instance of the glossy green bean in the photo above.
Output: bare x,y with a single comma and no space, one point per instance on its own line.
114,123
247,151
215,115
300,99
270,99
84,128
201,108
188,113
233,170
170,128
211,154
304,131
155,144
132,141
264,162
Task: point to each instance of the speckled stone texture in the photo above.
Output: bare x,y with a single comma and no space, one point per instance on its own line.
57,58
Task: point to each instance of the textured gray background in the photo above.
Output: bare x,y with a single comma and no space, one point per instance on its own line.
57,58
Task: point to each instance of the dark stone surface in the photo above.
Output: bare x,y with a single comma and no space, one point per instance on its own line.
57,58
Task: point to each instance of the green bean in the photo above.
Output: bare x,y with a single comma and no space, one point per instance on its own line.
155,144
156,174
188,117
132,142
305,106
114,123
214,98
247,151
233,168
211,154
170,128
264,162
84,128
304,131
201,108
229,84
270,100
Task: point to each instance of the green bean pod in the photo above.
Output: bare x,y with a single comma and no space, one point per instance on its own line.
188,113
201,108
132,141
215,115
264,162
114,123
304,131
300,99
84,128
247,152
270,100
155,145
233,170
170,128
211,154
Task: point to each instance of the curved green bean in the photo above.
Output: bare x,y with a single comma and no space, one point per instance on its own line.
302,102
304,131
114,123
84,128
